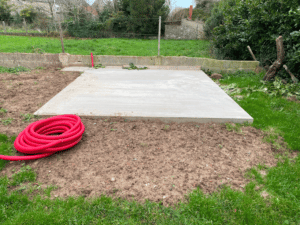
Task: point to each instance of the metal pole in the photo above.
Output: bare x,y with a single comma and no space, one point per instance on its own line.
159,28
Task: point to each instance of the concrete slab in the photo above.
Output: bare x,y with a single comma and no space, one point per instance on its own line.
168,95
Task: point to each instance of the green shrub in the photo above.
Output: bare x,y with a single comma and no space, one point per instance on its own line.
258,23
200,14
5,10
216,17
84,28
29,13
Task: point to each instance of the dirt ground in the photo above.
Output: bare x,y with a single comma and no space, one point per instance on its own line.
131,159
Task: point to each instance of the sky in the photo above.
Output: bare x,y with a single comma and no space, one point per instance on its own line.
182,3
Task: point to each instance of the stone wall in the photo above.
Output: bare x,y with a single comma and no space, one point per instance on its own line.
188,30
29,60
33,60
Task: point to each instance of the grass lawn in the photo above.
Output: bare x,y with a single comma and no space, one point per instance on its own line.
106,46
274,114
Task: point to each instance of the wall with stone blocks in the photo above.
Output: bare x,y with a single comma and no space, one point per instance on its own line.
32,60
188,30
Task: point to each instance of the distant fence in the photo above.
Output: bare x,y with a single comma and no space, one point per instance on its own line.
51,28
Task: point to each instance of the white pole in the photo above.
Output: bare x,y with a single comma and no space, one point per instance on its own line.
159,34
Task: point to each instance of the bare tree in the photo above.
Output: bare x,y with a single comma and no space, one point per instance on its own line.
73,8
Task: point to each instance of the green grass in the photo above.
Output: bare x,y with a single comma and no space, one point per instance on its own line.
15,30
14,70
271,113
106,46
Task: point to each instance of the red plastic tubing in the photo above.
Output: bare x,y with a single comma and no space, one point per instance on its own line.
36,139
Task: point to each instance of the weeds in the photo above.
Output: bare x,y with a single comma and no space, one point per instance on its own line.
99,66
3,111
28,117
7,121
133,67
40,68
166,127
37,50
144,144
14,70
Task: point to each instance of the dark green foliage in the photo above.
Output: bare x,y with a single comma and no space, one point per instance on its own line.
17,20
105,14
148,13
216,18
257,23
84,28
200,14
122,22
5,10
29,13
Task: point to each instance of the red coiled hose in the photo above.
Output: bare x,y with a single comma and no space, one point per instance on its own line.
36,139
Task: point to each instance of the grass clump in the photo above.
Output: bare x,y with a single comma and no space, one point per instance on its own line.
14,70
3,111
7,121
27,117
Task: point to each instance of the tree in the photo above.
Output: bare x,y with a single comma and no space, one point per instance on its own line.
74,9
148,12
258,23
5,10
29,13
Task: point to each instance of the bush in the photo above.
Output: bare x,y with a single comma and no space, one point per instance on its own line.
84,28
5,10
200,15
257,23
29,14
216,18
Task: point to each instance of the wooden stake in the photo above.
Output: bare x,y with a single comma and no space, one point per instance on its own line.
25,25
253,56
4,26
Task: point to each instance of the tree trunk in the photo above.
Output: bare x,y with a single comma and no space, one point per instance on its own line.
277,64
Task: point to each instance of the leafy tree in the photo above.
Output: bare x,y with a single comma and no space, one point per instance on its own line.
106,13
148,12
216,17
5,10
29,13
258,23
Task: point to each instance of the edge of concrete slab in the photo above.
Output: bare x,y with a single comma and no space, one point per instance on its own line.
82,69
166,119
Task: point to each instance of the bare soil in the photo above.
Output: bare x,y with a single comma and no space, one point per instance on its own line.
131,159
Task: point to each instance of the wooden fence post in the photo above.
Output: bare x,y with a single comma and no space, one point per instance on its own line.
24,21
4,26
159,28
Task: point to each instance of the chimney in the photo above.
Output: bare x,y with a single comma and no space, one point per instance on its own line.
191,12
